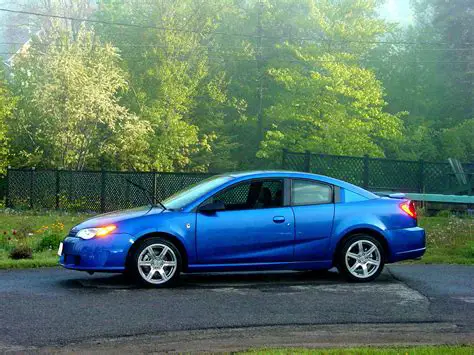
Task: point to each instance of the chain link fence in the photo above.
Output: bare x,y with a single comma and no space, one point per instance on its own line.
91,191
102,191
3,188
382,174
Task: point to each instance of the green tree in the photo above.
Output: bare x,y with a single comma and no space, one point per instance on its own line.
336,108
458,141
428,72
7,103
173,84
68,115
325,100
216,85
214,90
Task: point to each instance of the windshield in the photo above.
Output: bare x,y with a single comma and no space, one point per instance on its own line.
193,192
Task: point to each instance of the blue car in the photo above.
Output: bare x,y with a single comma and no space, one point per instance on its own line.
262,220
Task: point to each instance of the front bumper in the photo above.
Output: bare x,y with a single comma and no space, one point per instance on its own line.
407,243
97,254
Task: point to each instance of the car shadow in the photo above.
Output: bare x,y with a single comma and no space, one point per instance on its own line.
245,279
223,280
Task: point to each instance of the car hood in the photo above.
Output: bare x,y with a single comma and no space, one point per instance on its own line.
116,217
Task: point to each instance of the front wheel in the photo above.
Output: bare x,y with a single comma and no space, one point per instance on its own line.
156,262
361,258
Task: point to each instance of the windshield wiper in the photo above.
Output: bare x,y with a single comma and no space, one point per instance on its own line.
147,194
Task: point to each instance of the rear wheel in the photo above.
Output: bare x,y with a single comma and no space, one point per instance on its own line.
361,258
156,262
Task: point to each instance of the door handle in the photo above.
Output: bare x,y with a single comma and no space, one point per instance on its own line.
278,219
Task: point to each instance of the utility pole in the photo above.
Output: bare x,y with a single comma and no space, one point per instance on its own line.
470,72
259,74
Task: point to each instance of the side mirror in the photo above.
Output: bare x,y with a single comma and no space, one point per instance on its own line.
212,207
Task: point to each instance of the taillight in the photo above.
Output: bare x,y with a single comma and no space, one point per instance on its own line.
409,208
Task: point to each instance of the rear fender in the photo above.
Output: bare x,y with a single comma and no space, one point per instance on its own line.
351,217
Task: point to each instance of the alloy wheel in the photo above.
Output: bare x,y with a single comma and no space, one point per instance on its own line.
157,263
363,259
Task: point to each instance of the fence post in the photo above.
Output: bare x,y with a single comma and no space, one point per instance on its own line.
32,186
366,171
7,192
307,161
57,188
421,176
102,190
283,158
154,187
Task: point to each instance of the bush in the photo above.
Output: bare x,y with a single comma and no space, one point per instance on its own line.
50,242
51,236
21,252
469,251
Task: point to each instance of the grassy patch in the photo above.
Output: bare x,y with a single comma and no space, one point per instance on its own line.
40,231
417,350
449,240
40,259
14,220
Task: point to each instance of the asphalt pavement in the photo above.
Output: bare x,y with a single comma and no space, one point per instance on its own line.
57,308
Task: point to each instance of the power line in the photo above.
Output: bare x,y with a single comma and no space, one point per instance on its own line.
259,57
254,36
279,60
18,25
131,45
162,28
119,45
444,49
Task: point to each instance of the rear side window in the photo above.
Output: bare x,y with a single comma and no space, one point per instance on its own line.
305,192
349,196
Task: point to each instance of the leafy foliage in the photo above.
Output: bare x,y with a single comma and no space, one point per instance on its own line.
174,87
338,110
327,101
7,103
216,85
436,87
69,114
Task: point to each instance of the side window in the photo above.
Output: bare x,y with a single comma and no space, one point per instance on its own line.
236,196
252,195
305,192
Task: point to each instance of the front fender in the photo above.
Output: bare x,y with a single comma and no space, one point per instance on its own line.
180,225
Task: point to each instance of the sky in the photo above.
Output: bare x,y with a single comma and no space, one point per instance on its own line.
397,11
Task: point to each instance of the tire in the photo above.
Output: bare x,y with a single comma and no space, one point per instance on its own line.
362,266
162,270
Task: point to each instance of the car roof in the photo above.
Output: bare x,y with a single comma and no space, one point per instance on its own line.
301,175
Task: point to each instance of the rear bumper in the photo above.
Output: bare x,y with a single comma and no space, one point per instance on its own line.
97,254
407,243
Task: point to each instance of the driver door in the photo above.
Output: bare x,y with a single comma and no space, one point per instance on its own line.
254,227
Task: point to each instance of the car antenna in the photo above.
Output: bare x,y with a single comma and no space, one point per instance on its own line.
147,194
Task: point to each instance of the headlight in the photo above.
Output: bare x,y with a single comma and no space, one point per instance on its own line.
89,233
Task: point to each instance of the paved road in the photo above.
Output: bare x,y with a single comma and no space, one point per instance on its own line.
50,307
